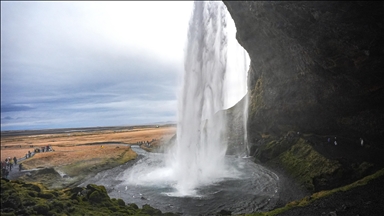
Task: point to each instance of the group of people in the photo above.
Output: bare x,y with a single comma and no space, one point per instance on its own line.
7,165
335,141
28,155
146,142
44,149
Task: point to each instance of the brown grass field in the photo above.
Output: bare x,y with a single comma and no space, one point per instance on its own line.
78,154
68,144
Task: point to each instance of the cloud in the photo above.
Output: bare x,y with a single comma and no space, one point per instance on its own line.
14,108
85,63
7,118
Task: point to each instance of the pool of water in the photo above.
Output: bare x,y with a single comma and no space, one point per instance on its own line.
253,188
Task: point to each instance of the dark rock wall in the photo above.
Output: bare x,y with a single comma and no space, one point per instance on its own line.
316,67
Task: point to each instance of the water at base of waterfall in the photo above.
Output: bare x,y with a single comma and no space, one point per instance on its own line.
254,189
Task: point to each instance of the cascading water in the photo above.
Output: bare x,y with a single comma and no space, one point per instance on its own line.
236,82
198,157
195,176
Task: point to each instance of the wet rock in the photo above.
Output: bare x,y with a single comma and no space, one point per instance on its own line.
315,66
41,209
147,209
133,206
120,202
224,212
333,213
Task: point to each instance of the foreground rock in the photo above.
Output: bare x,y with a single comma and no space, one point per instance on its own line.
20,198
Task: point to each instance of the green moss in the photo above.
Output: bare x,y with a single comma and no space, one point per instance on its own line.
147,209
274,147
133,206
120,202
305,164
41,209
46,195
93,200
309,199
8,214
256,100
363,168
56,204
34,187
95,197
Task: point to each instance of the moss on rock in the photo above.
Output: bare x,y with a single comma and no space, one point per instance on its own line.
19,198
305,164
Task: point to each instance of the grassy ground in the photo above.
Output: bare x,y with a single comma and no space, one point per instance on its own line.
20,145
77,155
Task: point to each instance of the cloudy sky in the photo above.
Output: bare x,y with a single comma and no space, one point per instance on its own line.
79,64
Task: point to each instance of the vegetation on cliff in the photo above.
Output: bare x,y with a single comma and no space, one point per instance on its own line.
316,202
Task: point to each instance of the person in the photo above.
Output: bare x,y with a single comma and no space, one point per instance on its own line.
29,153
361,142
10,165
15,160
3,170
20,167
335,142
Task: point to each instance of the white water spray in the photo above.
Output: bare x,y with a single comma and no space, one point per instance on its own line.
198,157
214,79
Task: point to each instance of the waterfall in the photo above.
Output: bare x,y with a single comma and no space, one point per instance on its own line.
198,158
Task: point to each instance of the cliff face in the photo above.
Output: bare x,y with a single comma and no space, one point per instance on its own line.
316,67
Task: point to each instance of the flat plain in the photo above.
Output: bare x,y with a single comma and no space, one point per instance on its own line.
19,143
77,153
